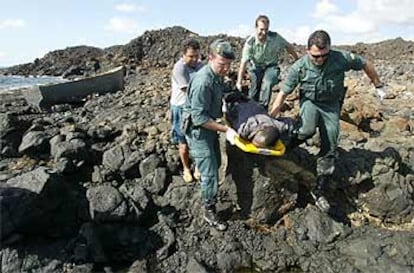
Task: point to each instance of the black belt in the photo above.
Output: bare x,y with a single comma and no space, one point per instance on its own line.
266,66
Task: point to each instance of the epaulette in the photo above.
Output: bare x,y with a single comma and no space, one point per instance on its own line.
272,33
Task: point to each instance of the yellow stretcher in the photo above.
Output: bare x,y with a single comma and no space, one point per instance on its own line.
246,146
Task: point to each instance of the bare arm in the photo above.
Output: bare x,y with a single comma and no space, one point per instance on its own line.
240,75
278,104
215,126
372,73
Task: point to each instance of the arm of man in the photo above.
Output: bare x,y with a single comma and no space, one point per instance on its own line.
215,126
200,102
246,55
180,77
369,69
357,62
280,98
289,84
240,75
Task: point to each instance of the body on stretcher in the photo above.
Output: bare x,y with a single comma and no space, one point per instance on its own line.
246,146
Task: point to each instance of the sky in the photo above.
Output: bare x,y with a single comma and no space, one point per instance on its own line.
31,28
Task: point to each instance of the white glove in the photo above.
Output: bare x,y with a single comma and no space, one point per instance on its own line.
381,92
224,106
239,86
231,135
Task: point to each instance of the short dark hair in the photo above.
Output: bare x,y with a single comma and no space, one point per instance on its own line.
319,38
262,18
267,136
191,43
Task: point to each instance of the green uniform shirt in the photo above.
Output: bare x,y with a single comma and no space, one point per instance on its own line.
264,54
324,83
205,92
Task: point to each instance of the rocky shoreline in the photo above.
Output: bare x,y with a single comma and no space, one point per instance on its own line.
97,187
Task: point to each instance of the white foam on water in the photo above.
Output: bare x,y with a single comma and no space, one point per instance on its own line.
8,84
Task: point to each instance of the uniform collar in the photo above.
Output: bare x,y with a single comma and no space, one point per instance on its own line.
311,65
258,43
215,76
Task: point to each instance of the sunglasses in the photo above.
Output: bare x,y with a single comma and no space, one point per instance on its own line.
320,56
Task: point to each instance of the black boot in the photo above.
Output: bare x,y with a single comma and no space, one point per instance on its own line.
318,193
292,131
211,217
294,141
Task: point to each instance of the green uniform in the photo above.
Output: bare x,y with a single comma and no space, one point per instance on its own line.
264,70
203,102
322,92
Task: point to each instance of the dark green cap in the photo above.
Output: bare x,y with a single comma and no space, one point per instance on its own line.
222,48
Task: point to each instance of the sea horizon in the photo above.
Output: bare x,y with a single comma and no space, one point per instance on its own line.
15,82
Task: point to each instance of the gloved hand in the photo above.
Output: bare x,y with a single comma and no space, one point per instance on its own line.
381,92
224,106
239,86
231,135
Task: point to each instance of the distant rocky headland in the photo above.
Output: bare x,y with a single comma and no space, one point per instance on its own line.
96,186
161,48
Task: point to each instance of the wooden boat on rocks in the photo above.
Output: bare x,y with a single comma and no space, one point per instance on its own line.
44,96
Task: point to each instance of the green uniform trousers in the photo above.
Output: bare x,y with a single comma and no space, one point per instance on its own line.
205,150
324,116
262,81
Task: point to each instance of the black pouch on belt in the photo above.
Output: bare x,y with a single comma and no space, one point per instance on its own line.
185,122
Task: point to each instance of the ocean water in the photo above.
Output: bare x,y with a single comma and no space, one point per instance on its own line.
10,83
